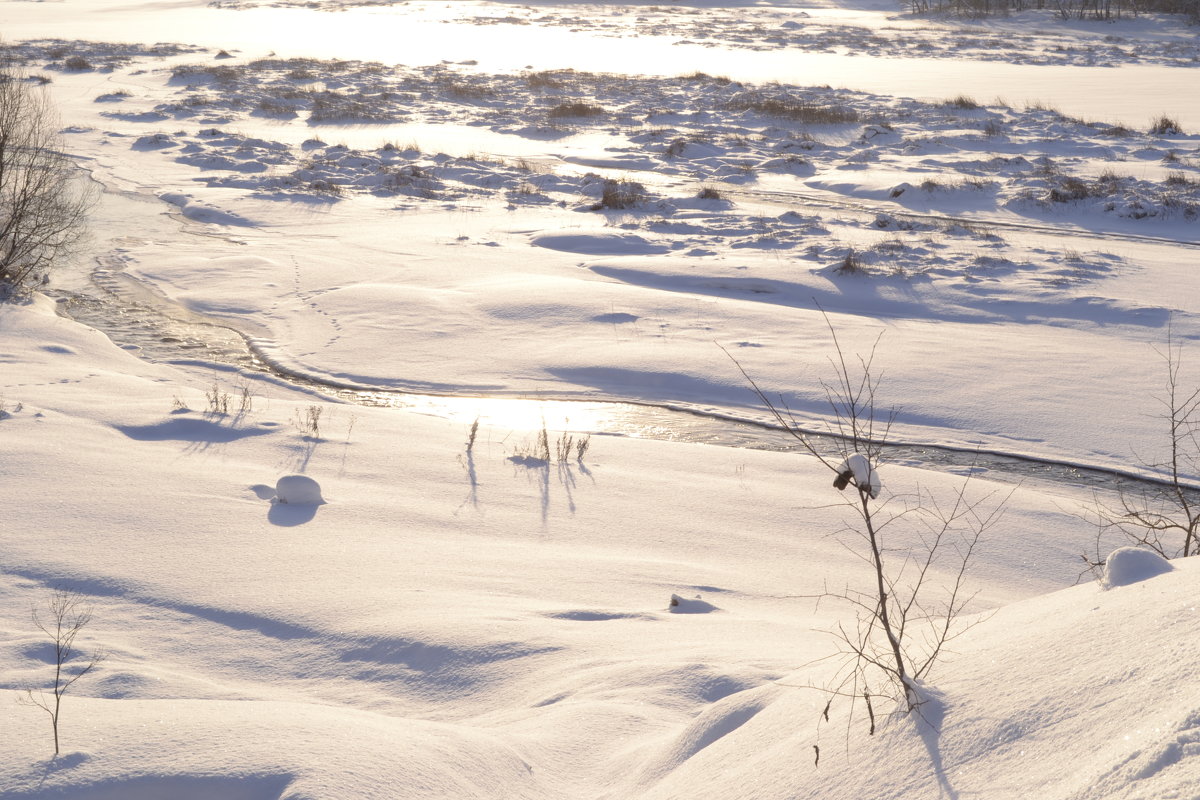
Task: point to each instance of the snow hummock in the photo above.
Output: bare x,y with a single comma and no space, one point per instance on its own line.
1127,565
298,490
690,605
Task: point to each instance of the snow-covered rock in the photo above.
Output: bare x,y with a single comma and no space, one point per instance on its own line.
1127,565
690,605
298,490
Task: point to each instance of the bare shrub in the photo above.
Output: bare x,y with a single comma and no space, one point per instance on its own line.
462,88
245,398
543,80
564,447
1038,105
322,186
43,200
218,401
710,193
1180,179
962,101
974,230
65,617
620,194
1166,126
574,109
77,64
792,108
1045,167
1069,189
276,108
308,421
1118,131
219,73
1163,517
536,453
851,264
675,148
332,106
903,617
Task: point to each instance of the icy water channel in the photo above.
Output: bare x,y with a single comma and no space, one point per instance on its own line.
157,336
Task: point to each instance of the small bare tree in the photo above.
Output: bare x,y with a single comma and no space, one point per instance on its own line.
65,616
905,619
44,200
1163,516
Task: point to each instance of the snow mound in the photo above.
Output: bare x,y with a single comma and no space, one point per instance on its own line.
690,605
1127,565
599,244
298,490
711,726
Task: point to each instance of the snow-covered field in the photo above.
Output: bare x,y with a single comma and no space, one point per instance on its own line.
572,201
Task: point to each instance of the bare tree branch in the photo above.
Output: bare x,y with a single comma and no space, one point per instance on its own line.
43,199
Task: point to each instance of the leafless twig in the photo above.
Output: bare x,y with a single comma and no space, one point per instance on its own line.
66,615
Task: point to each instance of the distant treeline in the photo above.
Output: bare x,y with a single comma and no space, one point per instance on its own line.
1067,9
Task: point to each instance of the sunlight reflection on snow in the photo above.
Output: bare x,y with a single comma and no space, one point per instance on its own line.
514,413
433,33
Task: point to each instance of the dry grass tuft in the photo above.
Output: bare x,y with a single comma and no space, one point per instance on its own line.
962,101
797,110
620,194
1166,126
575,109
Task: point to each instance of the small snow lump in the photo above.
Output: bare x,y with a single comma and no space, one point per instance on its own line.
1127,565
693,605
858,467
298,490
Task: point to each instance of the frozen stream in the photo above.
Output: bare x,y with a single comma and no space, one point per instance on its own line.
154,334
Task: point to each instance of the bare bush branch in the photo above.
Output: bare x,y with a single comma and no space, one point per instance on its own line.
1163,517
65,616
902,624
